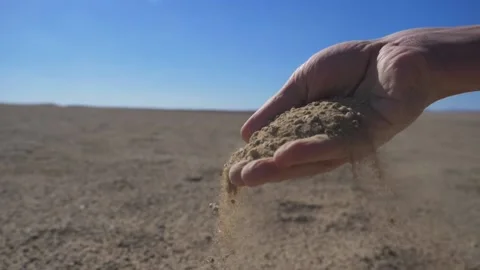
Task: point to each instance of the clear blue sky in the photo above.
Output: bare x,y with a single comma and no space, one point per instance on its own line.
223,54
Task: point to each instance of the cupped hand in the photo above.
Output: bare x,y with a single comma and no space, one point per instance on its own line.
390,73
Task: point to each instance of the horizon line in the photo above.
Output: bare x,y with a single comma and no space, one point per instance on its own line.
166,108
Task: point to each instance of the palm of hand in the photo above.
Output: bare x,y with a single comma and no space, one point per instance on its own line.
390,77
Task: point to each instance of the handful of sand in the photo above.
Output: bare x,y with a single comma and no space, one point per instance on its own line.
334,118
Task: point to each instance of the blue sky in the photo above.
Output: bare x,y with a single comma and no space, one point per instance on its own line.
214,54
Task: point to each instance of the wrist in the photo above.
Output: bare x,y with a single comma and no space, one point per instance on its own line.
455,61
452,57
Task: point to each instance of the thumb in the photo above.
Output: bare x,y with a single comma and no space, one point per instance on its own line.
333,71
292,94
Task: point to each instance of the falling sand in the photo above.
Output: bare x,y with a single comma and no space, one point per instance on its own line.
344,118
341,117
333,118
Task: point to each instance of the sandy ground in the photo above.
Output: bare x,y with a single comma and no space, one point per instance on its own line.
84,188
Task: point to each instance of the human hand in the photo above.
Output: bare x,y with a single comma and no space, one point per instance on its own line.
395,76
